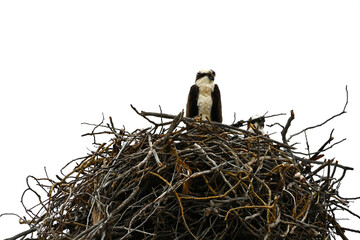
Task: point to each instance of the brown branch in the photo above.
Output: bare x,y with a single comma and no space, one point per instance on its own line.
22,234
321,149
217,124
326,121
286,128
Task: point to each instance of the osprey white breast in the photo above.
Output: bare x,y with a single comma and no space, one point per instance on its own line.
205,102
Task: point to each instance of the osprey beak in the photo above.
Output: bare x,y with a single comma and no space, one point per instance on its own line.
211,78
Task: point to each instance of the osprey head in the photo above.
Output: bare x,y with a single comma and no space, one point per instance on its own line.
206,73
258,121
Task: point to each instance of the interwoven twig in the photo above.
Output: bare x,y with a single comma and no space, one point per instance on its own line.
190,180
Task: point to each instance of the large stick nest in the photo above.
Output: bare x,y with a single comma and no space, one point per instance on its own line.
188,180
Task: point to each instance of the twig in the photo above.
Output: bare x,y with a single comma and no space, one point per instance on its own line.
326,121
22,234
323,146
286,128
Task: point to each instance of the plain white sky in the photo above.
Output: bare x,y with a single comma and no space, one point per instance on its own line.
67,62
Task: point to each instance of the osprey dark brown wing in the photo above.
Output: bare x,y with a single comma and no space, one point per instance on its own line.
216,110
191,106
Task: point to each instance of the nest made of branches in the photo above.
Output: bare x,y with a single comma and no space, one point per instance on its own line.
184,179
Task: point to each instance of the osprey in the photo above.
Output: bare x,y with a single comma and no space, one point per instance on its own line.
256,124
204,100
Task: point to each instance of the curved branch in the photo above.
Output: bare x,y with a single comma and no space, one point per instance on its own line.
331,118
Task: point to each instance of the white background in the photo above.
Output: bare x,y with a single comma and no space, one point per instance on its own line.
67,62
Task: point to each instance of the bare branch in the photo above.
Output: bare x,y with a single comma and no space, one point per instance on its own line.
22,234
286,128
326,121
321,149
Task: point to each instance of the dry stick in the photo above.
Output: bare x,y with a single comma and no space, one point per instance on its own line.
155,124
22,234
338,228
103,118
176,121
165,138
332,145
89,230
191,120
96,133
127,143
347,210
325,164
154,151
350,230
107,221
317,162
33,191
331,118
152,122
252,207
285,141
286,128
215,165
180,204
307,145
217,196
324,150
123,204
323,146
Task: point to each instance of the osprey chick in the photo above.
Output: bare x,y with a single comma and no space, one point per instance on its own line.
256,124
204,100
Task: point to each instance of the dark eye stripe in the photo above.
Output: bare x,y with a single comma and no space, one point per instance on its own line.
200,75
